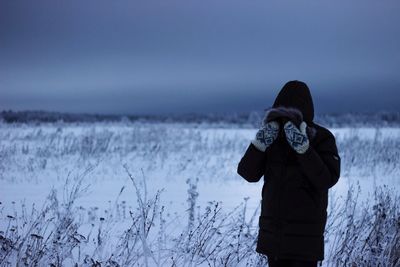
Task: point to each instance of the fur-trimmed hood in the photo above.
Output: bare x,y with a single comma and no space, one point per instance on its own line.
294,102
296,94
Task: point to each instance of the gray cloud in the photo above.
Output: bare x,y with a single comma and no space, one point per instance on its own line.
196,56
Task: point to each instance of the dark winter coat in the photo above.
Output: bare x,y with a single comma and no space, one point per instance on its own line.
295,191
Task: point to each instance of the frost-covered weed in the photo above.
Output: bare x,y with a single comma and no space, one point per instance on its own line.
364,233
357,234
173,148
63,233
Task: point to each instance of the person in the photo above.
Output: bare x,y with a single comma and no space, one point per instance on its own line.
300,162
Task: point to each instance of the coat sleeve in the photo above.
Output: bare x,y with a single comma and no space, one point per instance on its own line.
252,165
321,164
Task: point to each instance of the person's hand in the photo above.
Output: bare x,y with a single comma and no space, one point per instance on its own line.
266,135
297,138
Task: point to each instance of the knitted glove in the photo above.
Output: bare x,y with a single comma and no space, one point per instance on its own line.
297,138
266,135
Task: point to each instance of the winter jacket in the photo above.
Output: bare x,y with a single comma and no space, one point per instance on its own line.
295,191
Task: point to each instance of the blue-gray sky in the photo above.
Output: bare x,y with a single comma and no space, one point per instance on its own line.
170,56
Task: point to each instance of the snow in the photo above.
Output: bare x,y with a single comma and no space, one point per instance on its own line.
37,158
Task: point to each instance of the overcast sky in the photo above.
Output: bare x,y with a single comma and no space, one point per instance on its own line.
169,56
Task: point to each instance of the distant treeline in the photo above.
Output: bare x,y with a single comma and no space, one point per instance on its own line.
382,118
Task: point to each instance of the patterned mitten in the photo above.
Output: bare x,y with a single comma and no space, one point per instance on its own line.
266,135
297,138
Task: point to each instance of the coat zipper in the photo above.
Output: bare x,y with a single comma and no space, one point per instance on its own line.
281,188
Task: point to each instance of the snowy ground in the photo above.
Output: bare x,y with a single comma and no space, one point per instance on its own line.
37,158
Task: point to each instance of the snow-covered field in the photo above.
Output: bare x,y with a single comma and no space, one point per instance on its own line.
88,194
